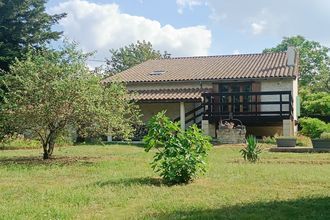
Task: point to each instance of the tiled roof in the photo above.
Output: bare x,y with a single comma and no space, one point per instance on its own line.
168,94
245,66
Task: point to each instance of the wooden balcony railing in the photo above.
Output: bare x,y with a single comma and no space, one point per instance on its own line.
250,105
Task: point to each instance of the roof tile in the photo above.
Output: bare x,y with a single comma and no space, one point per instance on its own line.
169,94
211,67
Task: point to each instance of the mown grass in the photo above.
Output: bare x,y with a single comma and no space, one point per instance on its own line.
116,182
17,144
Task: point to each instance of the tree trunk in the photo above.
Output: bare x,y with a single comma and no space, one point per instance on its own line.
49,148
46,155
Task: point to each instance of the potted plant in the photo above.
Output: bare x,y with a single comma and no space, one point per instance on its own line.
322,142
286,141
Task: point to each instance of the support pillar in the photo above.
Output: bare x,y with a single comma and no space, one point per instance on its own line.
182,116
288,129
206,127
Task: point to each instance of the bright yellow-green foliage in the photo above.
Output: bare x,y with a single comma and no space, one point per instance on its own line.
116,182
181,154
325,135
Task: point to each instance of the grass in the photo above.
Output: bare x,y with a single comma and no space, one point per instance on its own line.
116,182
19,143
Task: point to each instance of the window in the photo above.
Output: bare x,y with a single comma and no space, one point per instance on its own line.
157,72
235,103
236,98
246,98
224,99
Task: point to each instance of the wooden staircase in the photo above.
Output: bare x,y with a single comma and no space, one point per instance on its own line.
194,116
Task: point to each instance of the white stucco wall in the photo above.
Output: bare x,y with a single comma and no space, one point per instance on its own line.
172,109
294,96
168,85
279,85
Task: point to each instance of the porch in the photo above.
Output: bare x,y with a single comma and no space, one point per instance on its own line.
264,113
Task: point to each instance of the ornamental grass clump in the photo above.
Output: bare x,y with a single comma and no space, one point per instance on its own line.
181,155
252,151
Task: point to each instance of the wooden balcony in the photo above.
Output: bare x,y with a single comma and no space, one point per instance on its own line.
272,106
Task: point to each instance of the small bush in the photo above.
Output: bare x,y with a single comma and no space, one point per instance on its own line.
313,127
252,150
325,136
181,155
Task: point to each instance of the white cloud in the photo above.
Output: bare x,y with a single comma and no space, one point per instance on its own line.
103,26
187,3
236,52
217,17
258,27
275,18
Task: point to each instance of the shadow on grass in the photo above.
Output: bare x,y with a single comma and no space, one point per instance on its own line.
284,161
113,143
37,160
304,208
149,181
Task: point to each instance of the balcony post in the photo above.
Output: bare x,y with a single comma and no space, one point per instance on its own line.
281,109
182,116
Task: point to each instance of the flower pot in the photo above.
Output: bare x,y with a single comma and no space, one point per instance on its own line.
321,143
286,142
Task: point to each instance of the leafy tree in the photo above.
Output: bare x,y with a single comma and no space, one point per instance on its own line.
131,55
314,65
314,103
24,23
52,91
181,154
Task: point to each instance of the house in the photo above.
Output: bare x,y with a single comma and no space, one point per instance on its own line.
260,90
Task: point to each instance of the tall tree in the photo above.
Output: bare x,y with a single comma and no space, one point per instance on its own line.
50,92
23,24
314,65
314,103
126,57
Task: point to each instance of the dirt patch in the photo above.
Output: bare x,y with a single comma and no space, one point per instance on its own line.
54,160
228,145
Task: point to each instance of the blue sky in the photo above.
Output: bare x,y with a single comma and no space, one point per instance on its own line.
192,27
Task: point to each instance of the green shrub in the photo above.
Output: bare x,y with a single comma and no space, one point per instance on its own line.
181,155
325,136
252,150
313,127
314,103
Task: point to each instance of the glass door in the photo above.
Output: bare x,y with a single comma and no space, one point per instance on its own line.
235,102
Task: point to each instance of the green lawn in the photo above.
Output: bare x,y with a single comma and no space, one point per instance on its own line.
116,182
